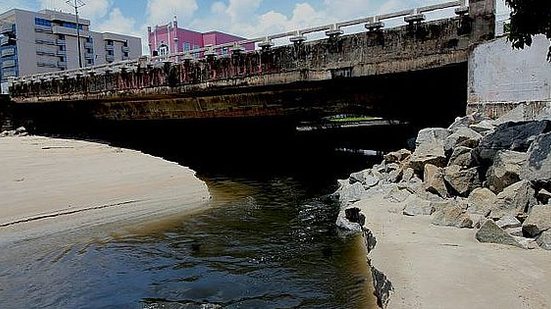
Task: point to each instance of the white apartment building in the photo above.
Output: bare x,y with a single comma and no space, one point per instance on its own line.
46,41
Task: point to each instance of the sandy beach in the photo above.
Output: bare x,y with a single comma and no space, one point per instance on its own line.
56,185
445,267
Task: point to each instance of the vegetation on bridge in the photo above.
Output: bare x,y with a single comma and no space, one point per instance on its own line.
528,18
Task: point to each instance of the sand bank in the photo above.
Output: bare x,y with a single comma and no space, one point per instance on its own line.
55,185
438,267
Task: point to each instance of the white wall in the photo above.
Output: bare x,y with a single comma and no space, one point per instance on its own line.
499,74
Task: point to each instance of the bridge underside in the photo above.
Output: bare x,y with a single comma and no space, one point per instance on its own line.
414,96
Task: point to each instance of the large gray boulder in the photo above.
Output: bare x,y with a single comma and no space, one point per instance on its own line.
397,195
517,114
465,137
370,181
510,136
351,193
466,121
463,181
416,206
434,180
452,216
508,221
484,127
491,233
481,201
429,148
462,156
538,221
515,200
538,166
544,240
505,170
414,185
397,156
442,204
357,177
351,220
523,112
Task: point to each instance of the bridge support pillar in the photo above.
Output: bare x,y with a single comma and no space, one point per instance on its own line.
483,14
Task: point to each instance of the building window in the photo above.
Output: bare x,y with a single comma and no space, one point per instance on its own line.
125,54
42,22
89,40
187,46
62,47
125,44
163,50
196,47
90,62
71,25
109,42
110,53
224,51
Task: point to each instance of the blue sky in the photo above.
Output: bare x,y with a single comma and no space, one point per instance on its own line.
242,17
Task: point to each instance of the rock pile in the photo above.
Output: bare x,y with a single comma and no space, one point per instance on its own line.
493,175
21,131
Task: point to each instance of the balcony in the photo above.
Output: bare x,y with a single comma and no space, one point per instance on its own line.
60,42
7,28
46,53
110,58
62,64
69,31
61,53
9,73
89,56
4,41
45,42
43,29
46,64
8,64
89,45
65,17
125,49
109,47
8,52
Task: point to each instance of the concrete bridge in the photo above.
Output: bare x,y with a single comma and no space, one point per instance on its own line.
397,72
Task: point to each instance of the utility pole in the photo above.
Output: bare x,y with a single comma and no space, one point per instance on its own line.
77,4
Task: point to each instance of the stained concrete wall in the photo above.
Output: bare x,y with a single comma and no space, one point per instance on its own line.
500,77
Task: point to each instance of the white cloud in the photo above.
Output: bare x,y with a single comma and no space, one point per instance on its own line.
117,22
163,11
239,10
218,7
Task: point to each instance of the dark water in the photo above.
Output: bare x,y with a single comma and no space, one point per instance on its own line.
267,241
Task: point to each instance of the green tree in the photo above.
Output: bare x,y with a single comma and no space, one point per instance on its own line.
528,18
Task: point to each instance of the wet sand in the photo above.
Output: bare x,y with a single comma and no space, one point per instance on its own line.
56,185
438,267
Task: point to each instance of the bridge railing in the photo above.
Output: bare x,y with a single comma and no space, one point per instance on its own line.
415,15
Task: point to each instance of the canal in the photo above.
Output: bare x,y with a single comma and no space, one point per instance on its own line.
268,239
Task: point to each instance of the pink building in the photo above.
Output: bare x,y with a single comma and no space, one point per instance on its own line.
169,39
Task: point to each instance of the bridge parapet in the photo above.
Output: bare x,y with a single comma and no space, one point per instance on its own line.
416,46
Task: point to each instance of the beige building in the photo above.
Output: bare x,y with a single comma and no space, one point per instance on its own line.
46,41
